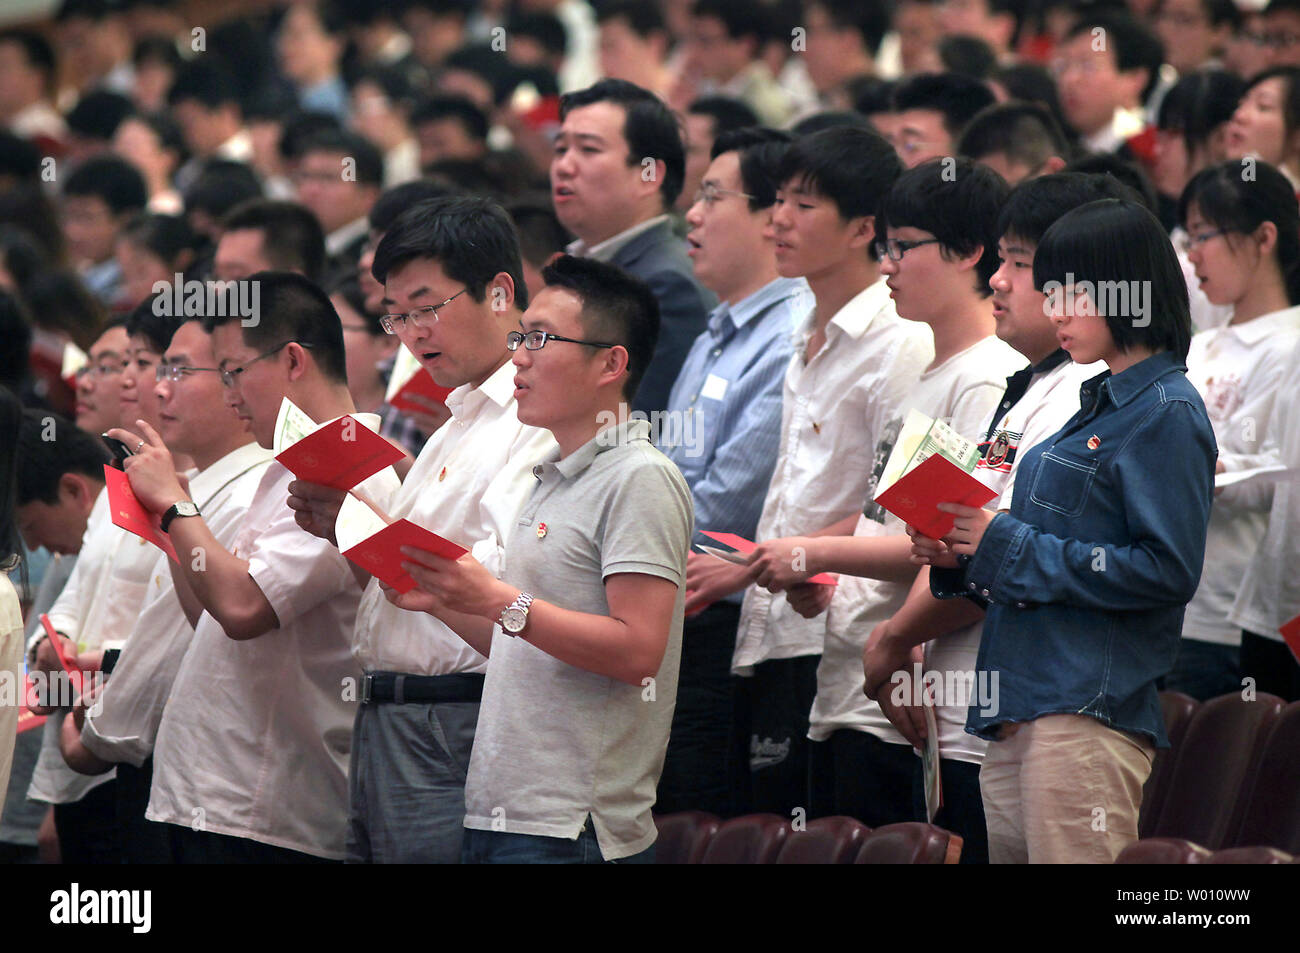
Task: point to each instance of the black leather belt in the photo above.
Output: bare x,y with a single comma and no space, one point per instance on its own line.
394,687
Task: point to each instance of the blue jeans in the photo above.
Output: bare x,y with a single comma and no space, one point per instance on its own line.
1205,670
499,847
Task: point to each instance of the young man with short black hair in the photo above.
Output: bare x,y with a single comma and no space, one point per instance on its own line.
269,235
931,111
99,197
1015,140
584,629
617,170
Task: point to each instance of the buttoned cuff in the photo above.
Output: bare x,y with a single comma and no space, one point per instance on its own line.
999,547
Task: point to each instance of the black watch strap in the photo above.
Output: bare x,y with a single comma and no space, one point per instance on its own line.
181,508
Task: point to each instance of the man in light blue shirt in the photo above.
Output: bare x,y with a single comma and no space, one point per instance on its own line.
723,429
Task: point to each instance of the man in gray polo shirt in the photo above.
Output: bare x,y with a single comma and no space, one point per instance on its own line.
584,626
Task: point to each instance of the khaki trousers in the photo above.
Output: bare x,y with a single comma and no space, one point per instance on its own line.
1063,789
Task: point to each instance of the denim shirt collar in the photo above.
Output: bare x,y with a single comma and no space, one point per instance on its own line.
1122,388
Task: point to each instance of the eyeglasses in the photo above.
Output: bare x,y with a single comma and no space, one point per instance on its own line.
174,372
230,377
708,193
896,248
394,323
536,340
1188,242
100,371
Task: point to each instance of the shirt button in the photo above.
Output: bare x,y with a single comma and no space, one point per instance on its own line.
694,398
717,351
972,587
1022,605
984,593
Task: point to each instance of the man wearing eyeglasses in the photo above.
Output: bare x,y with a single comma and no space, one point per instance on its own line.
122,725
730,392
251,753
453,289
99,383
584,627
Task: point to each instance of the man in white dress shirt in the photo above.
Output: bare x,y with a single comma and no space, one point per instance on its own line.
250,762
458,257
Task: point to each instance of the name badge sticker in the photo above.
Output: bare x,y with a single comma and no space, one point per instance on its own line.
714,387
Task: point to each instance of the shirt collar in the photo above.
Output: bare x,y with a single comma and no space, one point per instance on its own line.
604,251
205,483
857,316
750,307
345,235
1266,325
1052,361
1125,386
625,432
498,388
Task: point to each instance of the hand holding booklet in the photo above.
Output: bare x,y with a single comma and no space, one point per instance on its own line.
373,540
740,550
339,454
931,464
129,513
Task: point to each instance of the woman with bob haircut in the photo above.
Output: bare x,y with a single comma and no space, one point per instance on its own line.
1244,243
1086,577
1266,125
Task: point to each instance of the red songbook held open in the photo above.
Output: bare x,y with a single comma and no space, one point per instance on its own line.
930,464
130,514
409,377
373,540
339,454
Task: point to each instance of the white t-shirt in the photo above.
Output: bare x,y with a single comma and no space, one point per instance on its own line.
467,485
963,391
1238,369
256,734
833,413
124,724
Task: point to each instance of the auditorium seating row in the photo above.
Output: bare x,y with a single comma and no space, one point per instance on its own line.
1227,791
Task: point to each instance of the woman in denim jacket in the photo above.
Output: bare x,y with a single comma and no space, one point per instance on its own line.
1087,576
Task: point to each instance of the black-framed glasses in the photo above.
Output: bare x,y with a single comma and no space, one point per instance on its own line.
230,377
174,372
896,248
1187,242
536,340
395,322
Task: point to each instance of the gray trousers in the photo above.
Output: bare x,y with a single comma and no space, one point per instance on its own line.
407,782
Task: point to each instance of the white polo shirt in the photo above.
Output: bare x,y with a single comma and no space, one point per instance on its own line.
123,726
833,412
467,485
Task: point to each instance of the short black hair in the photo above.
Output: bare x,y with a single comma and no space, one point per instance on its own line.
208,84
437,108
760,152
290,308
1237,204
167,237
545,28
830,119
58,299
967,56
38,51
1111,243
165,130
393,82
292,239
1035,204
741,18
955,200
1025,133
1032,83
150,320
16,332
643,17
1199,103
650,129
156,49
19,158
852,166
617,308
220,185
98,113
299,128
348,288
1129,173
44,461
957,98
114,180
1134,45
368,161
871,94
726,112
393,202
471,238
541,235
870,18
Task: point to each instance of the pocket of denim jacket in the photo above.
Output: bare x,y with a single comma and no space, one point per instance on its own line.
1062,485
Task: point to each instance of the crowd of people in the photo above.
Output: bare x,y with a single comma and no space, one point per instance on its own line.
681,269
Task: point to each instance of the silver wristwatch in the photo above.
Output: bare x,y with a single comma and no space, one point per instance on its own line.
515,616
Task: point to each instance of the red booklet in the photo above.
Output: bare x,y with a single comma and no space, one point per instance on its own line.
74,674
340,454
746,546
914,497
380,554
1291,634
409,377
130,514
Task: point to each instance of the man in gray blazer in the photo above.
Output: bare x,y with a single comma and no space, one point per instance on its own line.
617,170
